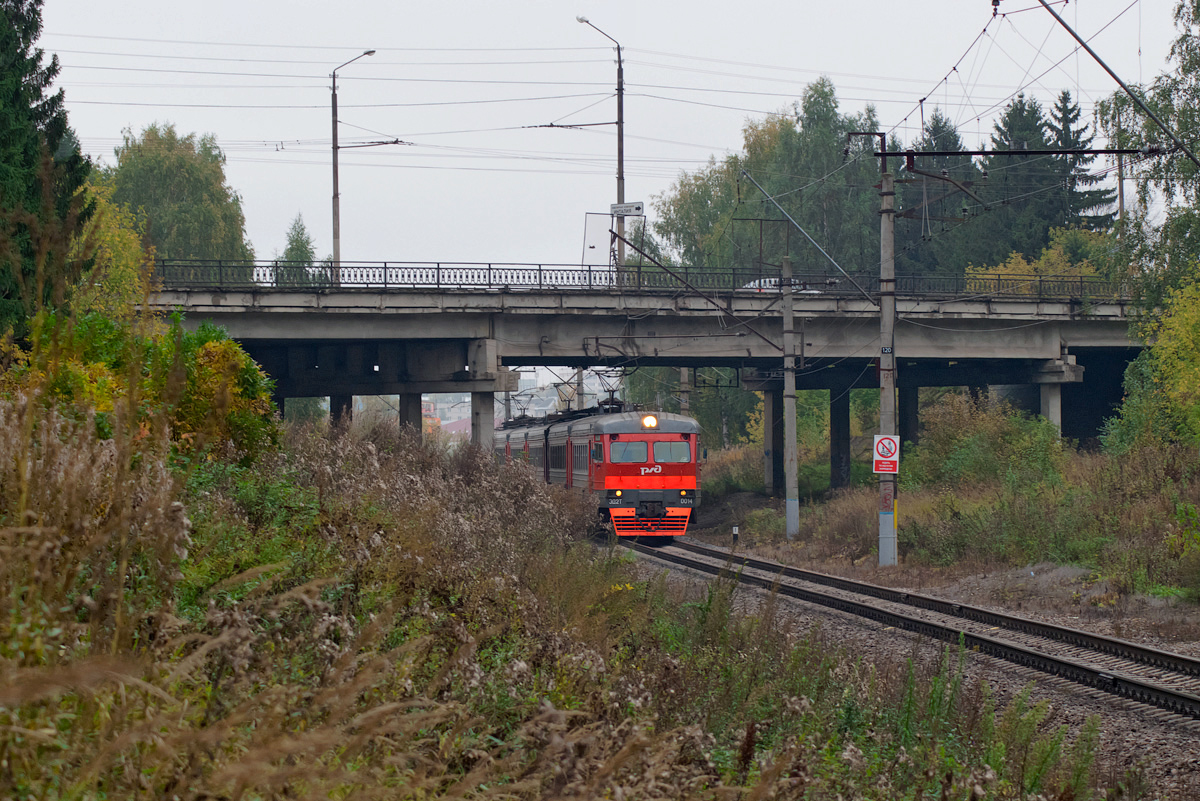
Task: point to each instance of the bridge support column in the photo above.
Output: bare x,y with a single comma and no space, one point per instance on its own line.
839,437
907,412
773,442
410,413
341,408
483,418
1052,404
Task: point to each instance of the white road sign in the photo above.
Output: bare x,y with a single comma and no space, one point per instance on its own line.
626,209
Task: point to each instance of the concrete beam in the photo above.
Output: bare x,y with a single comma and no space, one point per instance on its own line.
596,328
317,387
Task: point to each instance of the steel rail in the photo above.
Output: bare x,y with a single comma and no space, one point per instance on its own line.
1083,639
1109,681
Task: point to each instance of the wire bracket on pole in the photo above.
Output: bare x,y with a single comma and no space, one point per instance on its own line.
1146,109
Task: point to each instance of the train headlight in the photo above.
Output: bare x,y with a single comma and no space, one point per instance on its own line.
617,493
683,493
649,421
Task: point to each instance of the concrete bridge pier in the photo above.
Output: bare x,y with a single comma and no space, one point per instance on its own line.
483,418
1051,404
773,441
908,421
341,408
1044,394
839,437
410,413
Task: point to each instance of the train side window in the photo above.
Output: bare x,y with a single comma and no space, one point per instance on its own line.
597,452
667,452
625,452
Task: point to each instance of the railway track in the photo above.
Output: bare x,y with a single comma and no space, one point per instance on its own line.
1150,676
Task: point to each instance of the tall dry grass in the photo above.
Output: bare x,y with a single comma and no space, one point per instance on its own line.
434,630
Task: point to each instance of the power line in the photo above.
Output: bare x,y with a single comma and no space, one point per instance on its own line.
337,48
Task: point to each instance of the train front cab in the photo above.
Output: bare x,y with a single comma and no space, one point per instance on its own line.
646,468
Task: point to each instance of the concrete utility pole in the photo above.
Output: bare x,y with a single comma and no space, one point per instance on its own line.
620,139
790,466
337,212
685,388
887,362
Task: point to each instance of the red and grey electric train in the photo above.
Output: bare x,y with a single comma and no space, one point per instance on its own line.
642,468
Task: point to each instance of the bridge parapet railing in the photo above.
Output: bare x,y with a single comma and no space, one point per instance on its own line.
446,276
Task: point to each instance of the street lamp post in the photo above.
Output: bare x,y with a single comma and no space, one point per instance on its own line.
337,214
620,140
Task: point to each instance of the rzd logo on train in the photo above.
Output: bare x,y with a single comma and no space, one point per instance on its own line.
656,469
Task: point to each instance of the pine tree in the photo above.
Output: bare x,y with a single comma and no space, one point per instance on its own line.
1020,189
32,123
1081,205
296,262
932,229
300,250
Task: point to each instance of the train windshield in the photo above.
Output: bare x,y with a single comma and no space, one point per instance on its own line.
627,451
672,452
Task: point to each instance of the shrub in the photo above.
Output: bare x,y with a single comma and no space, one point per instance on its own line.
973,441
736,469
201,384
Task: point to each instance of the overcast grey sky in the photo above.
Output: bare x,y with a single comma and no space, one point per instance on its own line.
463,81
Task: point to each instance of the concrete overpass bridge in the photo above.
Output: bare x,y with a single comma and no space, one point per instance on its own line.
406,329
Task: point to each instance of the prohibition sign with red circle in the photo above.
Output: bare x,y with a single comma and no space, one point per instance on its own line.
887,454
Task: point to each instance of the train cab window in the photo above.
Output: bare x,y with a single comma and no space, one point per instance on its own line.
667,452
624,452
597,452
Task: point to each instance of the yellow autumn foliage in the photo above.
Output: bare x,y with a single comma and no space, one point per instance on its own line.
1175,351
1068,255
120,279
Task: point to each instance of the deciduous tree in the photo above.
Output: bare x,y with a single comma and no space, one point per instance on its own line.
714,219
122,264
179,183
